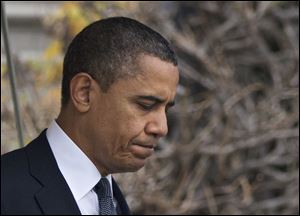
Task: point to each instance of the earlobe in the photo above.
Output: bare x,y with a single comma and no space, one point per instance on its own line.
80,91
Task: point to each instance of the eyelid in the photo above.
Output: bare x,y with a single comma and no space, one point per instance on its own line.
147,102
146,106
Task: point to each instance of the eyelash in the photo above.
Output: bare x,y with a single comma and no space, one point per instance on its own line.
150,107
146,107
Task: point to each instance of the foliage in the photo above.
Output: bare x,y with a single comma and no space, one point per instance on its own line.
233,146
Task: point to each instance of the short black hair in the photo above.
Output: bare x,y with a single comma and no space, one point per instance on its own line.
107,50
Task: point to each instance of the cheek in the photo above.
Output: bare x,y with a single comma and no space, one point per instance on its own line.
130,129
119,124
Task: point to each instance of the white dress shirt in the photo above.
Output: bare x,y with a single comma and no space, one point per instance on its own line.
78,170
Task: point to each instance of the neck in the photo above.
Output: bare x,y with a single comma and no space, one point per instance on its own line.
74,127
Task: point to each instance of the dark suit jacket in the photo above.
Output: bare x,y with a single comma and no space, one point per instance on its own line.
31,183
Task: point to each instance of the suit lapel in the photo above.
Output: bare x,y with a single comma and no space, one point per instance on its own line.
57,200
122,207
55,197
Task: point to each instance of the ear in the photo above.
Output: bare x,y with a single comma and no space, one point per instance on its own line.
80,91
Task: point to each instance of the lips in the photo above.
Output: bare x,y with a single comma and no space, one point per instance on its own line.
145,145
141,150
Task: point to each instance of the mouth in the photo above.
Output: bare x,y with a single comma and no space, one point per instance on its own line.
150,146
142,151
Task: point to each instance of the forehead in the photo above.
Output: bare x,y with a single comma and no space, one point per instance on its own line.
155,77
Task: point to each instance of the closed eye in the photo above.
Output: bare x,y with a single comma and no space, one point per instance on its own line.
146,107
148,103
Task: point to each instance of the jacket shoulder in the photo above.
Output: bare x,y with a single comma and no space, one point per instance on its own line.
17,184
13,164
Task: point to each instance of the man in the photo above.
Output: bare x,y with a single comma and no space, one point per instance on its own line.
119,79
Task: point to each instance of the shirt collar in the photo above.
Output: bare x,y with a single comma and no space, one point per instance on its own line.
78,170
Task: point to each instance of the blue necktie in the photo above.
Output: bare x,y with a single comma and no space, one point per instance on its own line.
106,206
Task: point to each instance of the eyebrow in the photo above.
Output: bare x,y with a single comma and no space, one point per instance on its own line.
155,99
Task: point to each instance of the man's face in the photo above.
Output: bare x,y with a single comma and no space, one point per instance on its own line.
126,122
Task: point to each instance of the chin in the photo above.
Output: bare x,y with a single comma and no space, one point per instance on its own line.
133,166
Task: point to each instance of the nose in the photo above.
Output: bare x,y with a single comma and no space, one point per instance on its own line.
157,126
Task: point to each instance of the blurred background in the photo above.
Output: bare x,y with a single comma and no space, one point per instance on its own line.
233,142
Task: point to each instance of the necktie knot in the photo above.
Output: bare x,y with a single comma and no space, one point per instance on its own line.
103,188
